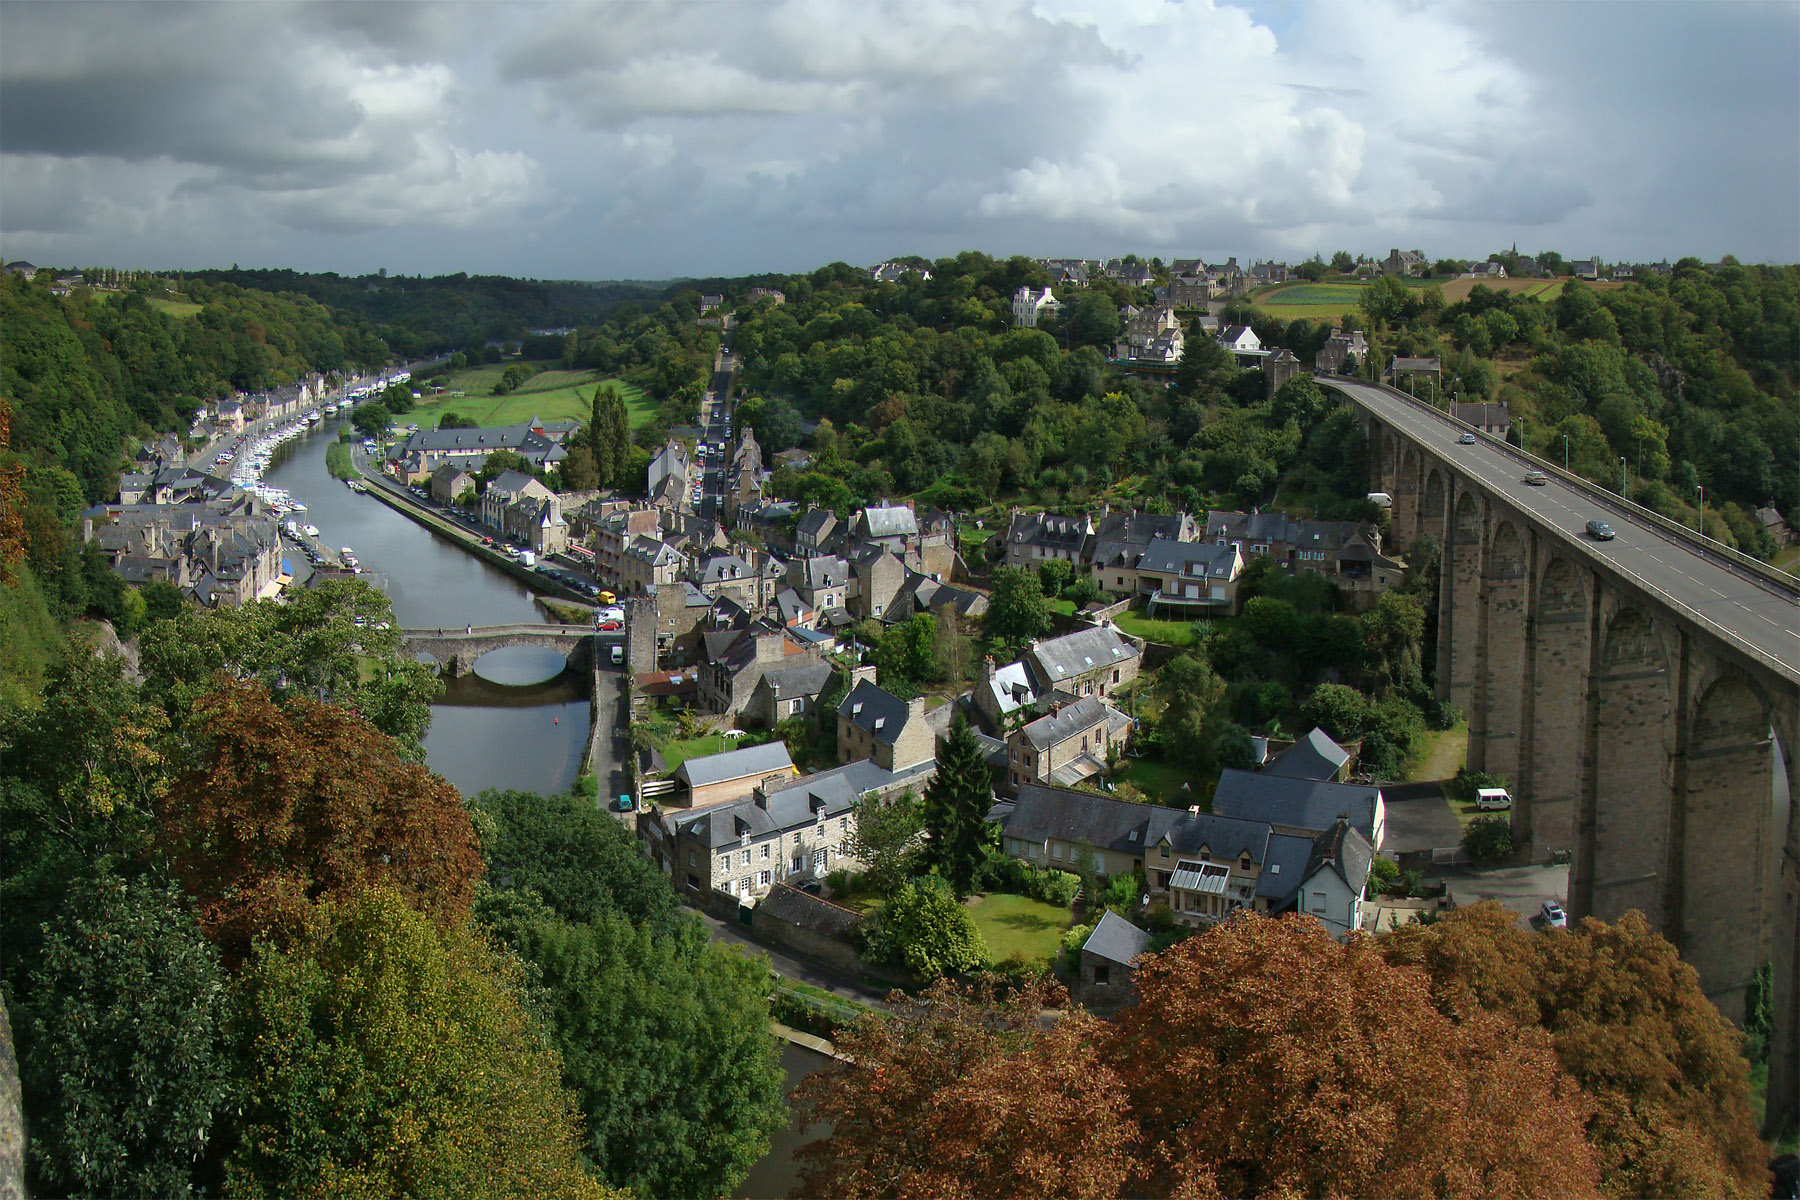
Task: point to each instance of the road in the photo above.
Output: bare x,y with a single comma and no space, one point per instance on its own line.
715,423
1756,616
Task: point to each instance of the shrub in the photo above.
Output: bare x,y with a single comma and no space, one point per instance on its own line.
1072,941
1384,873
1462,789
1488,839
1052,887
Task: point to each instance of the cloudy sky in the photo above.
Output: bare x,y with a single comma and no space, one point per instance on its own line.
636,139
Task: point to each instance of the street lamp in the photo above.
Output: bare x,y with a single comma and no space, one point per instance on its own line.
1565,452
1622,479
1702,524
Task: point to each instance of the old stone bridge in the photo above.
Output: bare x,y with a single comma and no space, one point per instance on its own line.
1641,693
456,650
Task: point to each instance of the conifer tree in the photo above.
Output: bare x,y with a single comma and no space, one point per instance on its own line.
956,804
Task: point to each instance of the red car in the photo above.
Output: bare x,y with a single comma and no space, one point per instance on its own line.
609,626
487,541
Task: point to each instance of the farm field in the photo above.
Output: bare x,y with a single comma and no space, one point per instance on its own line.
551,395
1538,289
175,308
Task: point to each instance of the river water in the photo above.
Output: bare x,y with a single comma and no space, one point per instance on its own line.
514,722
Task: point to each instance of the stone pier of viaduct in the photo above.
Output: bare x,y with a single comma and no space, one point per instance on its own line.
1644,740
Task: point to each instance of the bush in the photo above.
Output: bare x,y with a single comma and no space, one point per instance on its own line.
839,883
1052,887
1001,872
1488,839
1072,942
1384,873
1462,789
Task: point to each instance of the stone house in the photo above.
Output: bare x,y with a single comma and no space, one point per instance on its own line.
821,581
1120,539
878,576
1337,350
222,553
877,725
1404,262
1032,538
449,482
1107,959
1067,746
1190,578
1088,662
1321,547
614,533
1190,291
921,593
735,660
1315,756
1770,520
1278,368
816,533
1005,694
646,564
787,692
733,775
751,584
1487,417
538,443
669,474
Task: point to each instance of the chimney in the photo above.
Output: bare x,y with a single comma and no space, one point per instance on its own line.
915,709
1193,810
769,647
860,674
987,669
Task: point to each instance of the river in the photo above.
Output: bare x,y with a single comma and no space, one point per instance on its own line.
512,723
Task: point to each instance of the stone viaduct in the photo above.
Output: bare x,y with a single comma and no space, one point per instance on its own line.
456,650
1654,739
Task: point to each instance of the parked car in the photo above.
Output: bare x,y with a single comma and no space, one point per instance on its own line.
1466,438
1554,917
609,626
811,887
1599,530
1536,478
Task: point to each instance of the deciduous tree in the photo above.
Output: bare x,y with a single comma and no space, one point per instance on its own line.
923,928
1330,1072
286,807
884,834
578,859
387,1056
122,1037
1016,610
964,1093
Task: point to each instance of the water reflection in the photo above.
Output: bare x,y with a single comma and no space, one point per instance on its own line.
777,1172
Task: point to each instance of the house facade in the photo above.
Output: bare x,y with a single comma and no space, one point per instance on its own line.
1030,303
1190,578
1066,746
1088,662
890,732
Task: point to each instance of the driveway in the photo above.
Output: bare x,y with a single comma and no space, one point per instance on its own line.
1418,818
1521,889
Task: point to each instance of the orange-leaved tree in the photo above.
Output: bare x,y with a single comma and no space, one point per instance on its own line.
964,1093
1664,1072
1265,1058
288,804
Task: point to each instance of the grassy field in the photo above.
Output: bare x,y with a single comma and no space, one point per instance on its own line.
1169,633
1339,295
175,308
550,395
676,753
1537,289
1065,607
1019,925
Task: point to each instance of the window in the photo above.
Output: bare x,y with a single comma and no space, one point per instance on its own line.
1102,975
744,859
799,862
794,706
765,851
1318,903
762,879
693,859
724,863
1056,851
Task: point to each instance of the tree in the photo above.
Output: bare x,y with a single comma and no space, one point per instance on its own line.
1301,401
388,1056
287,807
1054,575
1094,321
956,806
905,649
576,858
1332,1073
1488,839
950,649
1191,695
923,928
1663,1070
338,642
371,420
1340,711
665,1042
455,420
579,474
1342,262
123,1062
1016,609
963,1092
884,835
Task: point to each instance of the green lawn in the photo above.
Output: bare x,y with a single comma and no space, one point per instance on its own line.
551,395
1065,607
1155,777
1342,295
676,753
1169,633
1019,925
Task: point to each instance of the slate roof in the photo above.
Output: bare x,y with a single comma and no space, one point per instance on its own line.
798,908
1192,559
1116,939
1307,805
1041,813
1314,756
874,711
816,524
795,805
823,571
1012,687
1284,867
891,520
1064,724
735,764
1049,530
1343,851
722,568
1119,538
1074,654
1279,527
524,439
791,682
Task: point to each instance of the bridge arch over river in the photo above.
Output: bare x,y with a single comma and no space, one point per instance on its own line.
1641,693
457,650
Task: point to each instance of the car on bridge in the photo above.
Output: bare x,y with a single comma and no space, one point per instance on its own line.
1536,478
1599,530
1466,438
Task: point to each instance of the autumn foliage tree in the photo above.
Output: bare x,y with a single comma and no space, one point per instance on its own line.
289,805
964,1093
1665,1076
1265,1058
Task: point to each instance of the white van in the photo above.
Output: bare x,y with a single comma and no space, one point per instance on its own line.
618,655
1488,799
